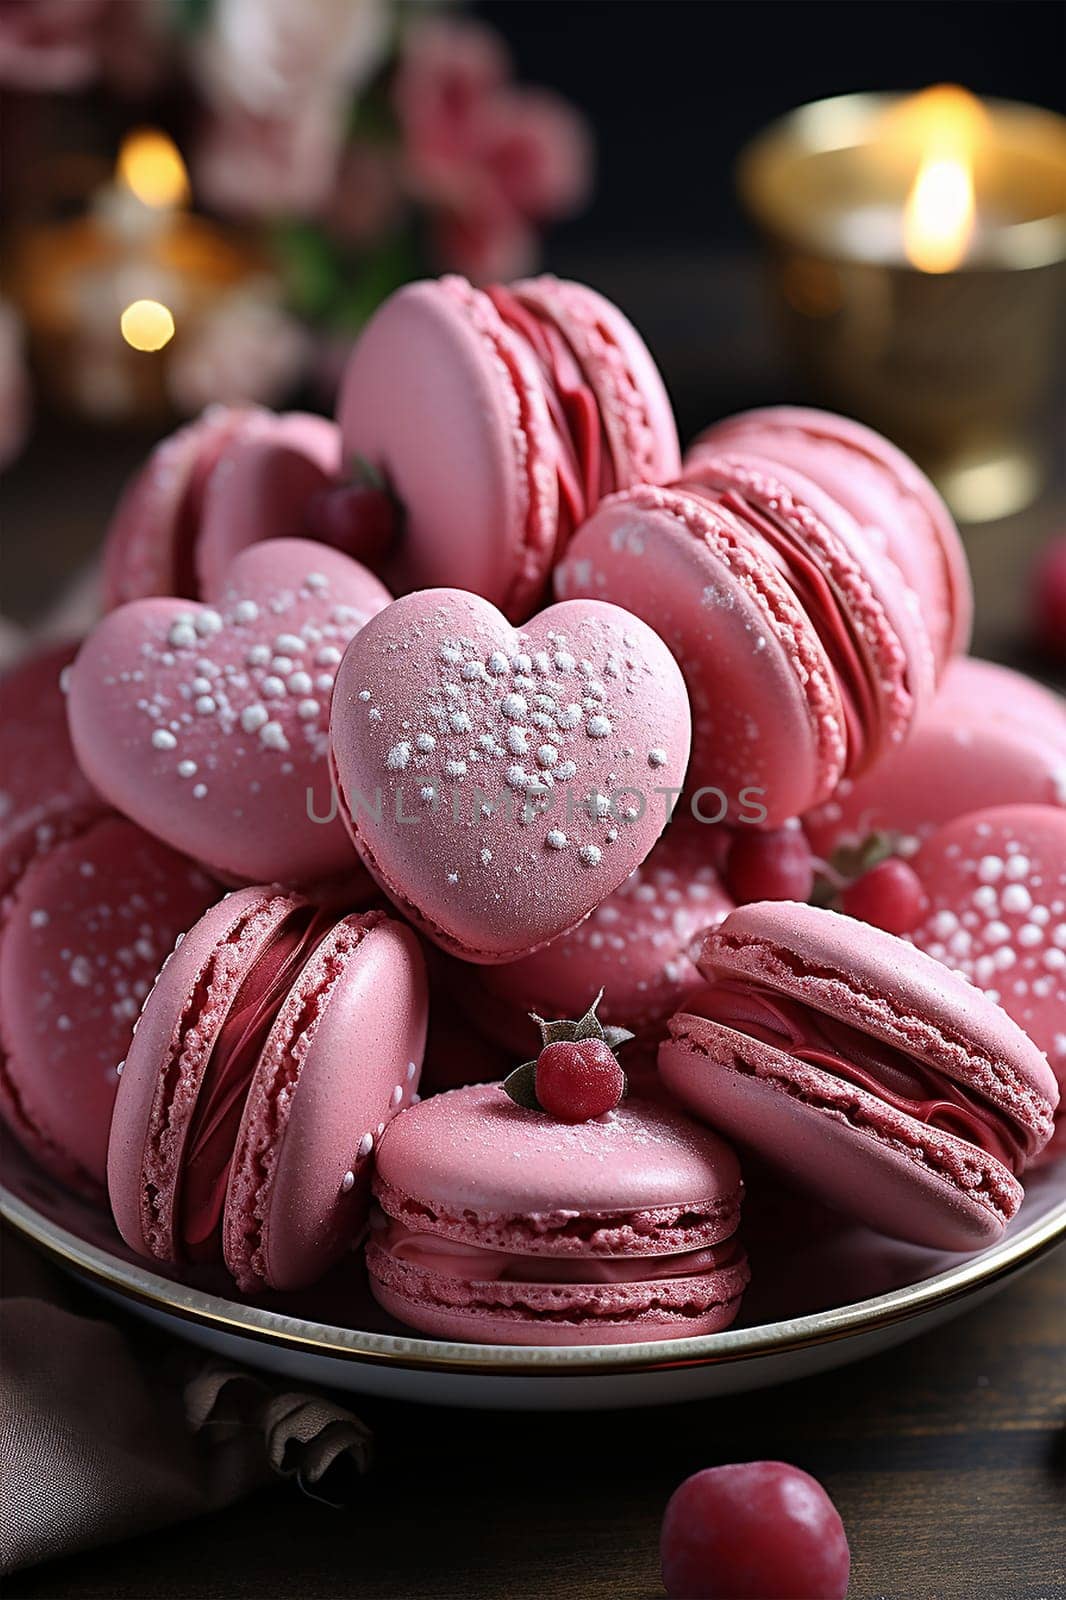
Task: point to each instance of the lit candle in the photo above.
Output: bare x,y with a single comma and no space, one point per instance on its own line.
900,229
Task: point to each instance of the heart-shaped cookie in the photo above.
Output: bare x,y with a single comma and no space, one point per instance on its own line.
500,783
208,724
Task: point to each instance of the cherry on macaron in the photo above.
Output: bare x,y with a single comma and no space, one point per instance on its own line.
754,1530
576,1076
889,896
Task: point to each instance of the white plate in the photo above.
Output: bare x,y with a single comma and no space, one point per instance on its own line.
823,1293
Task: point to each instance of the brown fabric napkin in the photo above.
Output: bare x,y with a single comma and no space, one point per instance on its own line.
108,1430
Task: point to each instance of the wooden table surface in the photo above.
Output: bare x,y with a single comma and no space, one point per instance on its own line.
945,1458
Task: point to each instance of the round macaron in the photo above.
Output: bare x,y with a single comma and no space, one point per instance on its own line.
991,737
499,784
500,1224
275,1046
234,476
44,795
498,419
207,723
892,501
637,946
996,887
864,1071
87,927
804,661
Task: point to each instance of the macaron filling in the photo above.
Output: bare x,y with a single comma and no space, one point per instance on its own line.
474,1264
227,1077
584,463
891,1074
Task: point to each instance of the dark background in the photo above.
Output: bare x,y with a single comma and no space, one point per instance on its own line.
675,87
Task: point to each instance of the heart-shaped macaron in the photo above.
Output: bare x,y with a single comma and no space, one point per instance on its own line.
207,724
499,783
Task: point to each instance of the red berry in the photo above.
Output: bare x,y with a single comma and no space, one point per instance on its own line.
757,1530
889,896
578,1079
1049,598
775,865
354,517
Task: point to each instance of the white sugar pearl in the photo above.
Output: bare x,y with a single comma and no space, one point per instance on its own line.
162,740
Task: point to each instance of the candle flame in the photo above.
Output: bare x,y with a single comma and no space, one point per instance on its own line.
150,164
147,324
941,210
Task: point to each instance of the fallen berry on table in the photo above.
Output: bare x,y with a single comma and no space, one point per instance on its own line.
755,1530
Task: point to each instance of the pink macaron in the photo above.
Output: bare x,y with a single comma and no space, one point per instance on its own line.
804,659
275,1046
991,737
500,1224
499,784
996,887
864,1071
86,930
638,946
44,795
208,723
232,477
892,501
499,418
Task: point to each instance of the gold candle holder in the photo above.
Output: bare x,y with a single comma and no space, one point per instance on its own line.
918,247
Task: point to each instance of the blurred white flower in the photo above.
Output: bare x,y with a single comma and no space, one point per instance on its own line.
268,58
246,349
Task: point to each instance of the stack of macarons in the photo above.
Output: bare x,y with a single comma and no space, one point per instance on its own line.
283,789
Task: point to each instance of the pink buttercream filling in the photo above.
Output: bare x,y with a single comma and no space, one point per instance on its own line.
473,1264
224,1088
584,465
910,1086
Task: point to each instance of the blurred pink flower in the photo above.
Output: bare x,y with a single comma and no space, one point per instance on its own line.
259,166
15,401
487,158
65,44
367,199
247,349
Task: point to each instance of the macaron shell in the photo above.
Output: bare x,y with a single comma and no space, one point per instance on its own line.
342,1060
168,1055
504,1177
260,487
996,882
629,389
839,1141
447,403
637,946
766,711
44,795
878,983
438,696
991,737
890,498
194,722
88,926
524,1314
159,508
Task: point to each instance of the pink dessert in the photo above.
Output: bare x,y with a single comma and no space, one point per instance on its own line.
892,501
233,477
44,795
991,737
499,784
637,945
275,1047
804,659
501,1224
499,418
87,928
208,723
996,887
864,1071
